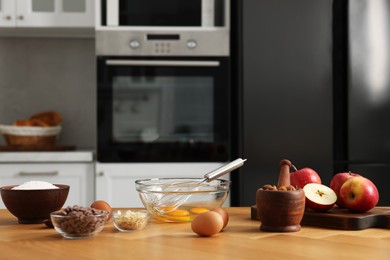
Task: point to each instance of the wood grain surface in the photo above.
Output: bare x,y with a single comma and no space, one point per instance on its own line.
241,239
337,218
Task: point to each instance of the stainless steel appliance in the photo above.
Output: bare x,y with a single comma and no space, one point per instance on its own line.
163,28
363,100
163,110
287,91
176,13
164,92
316,90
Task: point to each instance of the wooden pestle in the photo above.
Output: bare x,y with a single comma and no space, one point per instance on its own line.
284,173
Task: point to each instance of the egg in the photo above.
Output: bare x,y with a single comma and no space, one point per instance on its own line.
224,215
207,224
102,205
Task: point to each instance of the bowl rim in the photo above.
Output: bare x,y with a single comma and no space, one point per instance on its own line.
124,210
141,181
104,213
9,188
218,184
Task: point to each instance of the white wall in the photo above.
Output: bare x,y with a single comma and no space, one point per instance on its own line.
38,74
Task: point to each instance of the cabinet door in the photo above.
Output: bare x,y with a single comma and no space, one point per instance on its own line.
79,176
118,189
115,182
55,13
7,13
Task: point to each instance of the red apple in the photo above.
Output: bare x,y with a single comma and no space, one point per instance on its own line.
319,197
336,183
301,177
359,194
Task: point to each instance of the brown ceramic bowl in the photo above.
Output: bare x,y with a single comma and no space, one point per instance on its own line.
34,206
280,211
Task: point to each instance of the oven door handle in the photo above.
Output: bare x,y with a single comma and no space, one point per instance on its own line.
177,63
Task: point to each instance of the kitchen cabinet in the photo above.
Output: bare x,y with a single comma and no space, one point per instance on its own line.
115,182
47,13
79,176
7,13
117,188
74,168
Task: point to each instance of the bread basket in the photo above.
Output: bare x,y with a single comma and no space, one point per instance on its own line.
30,135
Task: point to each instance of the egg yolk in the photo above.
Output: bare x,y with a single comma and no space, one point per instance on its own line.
177,218
198,211
179,213
167,209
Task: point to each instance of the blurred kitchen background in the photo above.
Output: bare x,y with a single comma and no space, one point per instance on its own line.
302,78
50,73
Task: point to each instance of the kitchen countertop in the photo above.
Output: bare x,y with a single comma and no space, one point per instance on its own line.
57,156
241,239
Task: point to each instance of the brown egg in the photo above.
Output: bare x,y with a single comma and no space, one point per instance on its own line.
207,224
224,215
102,205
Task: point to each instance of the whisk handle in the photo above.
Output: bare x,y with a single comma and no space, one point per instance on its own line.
224,169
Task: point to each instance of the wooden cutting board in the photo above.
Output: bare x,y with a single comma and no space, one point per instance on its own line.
336,218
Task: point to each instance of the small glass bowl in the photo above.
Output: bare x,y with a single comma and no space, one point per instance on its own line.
130,220
74,227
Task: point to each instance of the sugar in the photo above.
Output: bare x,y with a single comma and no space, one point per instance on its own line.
35,185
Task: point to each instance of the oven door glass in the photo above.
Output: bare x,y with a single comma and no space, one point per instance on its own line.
160,13
163,111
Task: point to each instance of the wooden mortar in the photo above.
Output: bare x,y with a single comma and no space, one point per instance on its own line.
281,210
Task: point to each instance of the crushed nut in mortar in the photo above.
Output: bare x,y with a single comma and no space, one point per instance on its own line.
131,220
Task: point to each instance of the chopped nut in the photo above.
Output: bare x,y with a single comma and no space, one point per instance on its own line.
131,220
290,187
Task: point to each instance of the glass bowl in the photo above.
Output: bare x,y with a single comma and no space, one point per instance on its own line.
181,199
130,220
79,222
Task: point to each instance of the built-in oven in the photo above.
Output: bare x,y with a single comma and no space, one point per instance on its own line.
165,98
163,110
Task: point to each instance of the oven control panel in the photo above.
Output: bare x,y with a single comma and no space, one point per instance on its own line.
161,47
215,43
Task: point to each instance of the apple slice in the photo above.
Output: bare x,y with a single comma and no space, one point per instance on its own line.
319,197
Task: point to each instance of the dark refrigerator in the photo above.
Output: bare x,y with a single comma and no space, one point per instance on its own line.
315,78
286,57
364,105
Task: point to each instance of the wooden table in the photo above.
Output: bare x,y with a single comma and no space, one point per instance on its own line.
241,239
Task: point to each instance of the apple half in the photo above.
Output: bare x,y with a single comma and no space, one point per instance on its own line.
319,197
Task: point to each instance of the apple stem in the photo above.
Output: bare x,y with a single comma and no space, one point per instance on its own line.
293,166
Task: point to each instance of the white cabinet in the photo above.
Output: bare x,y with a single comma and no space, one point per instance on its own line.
7,13
47,13
79,176
115,182
73,168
